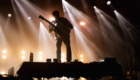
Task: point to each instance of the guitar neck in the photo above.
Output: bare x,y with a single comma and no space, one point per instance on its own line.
45,20
48,22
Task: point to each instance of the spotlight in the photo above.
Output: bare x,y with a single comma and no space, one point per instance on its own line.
62,55
101,60
63,78
81,55
94,6
62,59
108,2
4,56
23,52
40,53
4,51
2,72
82,23
23,57
40,58
82,78
115,11
29,18
82,60
9,15
52,19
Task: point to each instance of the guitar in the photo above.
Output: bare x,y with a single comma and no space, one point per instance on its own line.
63,35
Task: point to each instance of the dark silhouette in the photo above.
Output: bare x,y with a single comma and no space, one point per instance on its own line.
31,57
90,71
64,27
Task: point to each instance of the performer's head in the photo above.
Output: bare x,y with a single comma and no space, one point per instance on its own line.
56,14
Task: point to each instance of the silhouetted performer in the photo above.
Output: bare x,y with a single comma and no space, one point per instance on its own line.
64,26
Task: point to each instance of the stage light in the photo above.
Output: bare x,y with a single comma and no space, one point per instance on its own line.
40,58
23,57
2,72
40,53
82,23
82,78
9,15
63,78
29,18
81,55
62,55
4,56
62,59
52,19
101,60
94,6
82,60
108,2
4,51
23,52
115,11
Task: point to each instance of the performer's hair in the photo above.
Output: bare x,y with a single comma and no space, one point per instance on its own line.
55,13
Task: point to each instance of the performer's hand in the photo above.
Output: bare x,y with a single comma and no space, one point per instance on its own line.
50,29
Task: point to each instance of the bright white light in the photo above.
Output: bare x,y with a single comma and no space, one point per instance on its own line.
40,58
62,59
108,2
115,11
40,53
82,23
4,56
101,60
81,55
52,19
23,52
82,60
2,72
4,51
9,15
23,57
94,6
63,78
62,55
29,17
82,78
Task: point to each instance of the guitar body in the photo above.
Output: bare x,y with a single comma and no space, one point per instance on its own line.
64,34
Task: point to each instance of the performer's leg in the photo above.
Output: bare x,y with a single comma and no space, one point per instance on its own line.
58,51
67,43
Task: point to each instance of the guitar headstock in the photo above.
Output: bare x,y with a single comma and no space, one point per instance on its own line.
41,17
